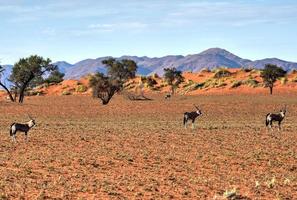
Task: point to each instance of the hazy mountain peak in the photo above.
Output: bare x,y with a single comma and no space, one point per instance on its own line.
62,63
210,58
215,50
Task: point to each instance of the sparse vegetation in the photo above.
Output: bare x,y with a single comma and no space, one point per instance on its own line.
294,80
283,80
221,73
34,93
229,194
200,85
149,81
247,69
251,82
156,76
81,88
211,83
271,183
138,93
189,84
205,70
66,93
236,84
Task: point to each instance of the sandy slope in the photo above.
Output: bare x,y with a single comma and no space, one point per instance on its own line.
224,85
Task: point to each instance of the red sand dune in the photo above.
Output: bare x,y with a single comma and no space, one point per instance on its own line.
71,87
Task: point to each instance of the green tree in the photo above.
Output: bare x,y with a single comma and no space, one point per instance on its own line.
173,78
55,77
270,74
118,72
4,86
28,70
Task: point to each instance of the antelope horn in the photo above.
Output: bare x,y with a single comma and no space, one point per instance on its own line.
29,116
196,107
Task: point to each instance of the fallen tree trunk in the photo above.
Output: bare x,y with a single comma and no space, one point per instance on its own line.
136,97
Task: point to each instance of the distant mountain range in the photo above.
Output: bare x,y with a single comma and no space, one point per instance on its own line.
211,58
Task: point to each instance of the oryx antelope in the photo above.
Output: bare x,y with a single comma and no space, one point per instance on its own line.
277,117
191,116
17,127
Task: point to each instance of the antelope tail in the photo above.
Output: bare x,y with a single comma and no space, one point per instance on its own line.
267,121
10,130
185,118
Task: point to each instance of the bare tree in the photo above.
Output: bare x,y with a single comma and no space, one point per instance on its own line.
103,87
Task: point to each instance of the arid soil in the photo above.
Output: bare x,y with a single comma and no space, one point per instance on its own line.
140,150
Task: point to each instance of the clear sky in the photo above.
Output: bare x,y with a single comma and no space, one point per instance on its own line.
73,30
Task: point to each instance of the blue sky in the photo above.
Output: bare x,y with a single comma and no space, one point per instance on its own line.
73,30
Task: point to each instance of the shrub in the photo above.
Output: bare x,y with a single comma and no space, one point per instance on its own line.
221,72
248,69
210,83
199,86
143,78
149,81
271,183
129,85
66,93
251,82
205,69
188,84
81,88
294,80
221,84
284,80
156,76
256,71
34,93
229,194
191,86
156,88
236,84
